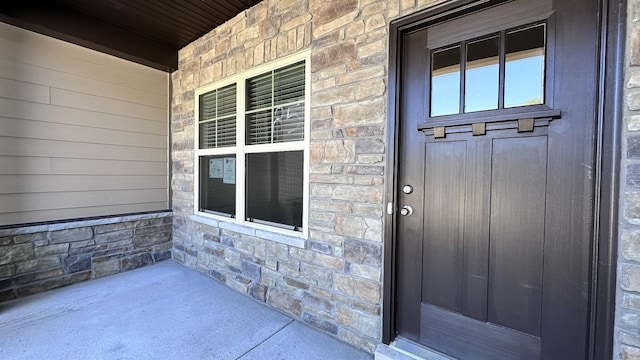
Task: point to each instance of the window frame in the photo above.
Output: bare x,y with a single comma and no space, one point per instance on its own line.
240,150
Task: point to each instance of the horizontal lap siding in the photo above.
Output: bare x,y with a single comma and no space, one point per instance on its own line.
82,134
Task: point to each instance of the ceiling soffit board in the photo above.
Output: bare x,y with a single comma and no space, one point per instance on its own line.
143,31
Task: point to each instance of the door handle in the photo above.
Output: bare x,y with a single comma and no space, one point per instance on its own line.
406,210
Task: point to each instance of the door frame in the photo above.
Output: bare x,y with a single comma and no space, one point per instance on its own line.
609,84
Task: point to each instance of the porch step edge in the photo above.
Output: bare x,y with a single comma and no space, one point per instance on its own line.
385,352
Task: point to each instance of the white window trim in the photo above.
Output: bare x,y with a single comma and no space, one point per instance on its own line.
290,236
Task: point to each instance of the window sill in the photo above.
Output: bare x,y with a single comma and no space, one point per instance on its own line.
259,231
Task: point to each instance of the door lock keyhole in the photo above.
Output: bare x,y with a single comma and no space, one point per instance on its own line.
406,210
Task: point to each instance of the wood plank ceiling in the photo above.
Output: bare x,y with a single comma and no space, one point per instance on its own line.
149,32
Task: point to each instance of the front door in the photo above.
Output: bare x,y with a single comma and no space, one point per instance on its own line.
495,180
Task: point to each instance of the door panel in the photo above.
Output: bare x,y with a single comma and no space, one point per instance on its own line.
494,262
444,206
517,232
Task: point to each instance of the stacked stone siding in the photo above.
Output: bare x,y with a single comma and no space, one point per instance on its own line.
628,297
39,258
334,283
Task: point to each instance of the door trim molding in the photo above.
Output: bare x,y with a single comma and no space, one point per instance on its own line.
610,83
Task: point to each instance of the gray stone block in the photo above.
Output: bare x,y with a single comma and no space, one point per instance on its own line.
70,235
37,265
114,236
81,244
29,238
239,283
191,251
74,264
15,253
633,146
87,250
368,146
25,279
258,292
630,277
633,175
226,240
217,275
295,283
251,270
5,284
151,239
162,255
317,302
630,245
7,270
364,324
6,295
363,252
51,250
6,241
285,302
153,229
361,289
136,261
105,268
632,205
320,247
101,229
320,323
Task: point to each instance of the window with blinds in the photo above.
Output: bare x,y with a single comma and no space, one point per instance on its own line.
217,119
259,181
275,106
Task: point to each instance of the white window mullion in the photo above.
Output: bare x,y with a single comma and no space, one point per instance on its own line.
240,145
273,109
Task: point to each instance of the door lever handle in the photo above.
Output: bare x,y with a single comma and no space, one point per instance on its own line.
406,210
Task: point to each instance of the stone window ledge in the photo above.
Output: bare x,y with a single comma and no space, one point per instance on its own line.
252,231
81,223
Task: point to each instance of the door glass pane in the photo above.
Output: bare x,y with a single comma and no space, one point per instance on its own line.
525,67
274,188
218,184
482,75
445,81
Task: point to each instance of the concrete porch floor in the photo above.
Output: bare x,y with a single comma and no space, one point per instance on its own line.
162,311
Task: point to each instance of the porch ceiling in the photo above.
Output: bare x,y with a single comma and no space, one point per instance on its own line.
149,32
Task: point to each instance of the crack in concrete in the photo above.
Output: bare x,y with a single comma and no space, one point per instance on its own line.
265,340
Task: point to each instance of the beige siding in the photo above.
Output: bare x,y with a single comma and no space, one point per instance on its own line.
82,134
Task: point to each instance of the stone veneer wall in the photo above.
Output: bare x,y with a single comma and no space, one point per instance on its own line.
335,282
39,258
628,297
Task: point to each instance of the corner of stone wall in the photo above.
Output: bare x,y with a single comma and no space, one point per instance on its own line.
627,336
40,258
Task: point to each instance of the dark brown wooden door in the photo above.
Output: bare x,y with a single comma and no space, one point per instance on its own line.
495,183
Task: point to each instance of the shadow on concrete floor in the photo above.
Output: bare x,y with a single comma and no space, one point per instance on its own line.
163,311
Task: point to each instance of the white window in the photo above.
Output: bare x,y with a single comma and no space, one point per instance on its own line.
252,148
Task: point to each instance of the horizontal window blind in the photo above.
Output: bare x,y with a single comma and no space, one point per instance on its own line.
275,106
218,118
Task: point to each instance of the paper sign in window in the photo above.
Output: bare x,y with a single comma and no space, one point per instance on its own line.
229,176
216,168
